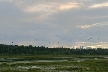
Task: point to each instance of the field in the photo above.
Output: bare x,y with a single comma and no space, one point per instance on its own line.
54,63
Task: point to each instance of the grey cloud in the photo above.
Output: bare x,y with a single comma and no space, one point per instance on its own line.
21,27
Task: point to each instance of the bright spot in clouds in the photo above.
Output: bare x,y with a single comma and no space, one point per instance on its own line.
92,25
51,7
99,5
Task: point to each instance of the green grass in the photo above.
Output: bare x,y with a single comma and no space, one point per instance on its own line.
89,65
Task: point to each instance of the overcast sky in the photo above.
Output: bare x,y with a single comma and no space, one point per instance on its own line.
68,23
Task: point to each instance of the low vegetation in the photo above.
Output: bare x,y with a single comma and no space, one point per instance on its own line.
76,64
15,58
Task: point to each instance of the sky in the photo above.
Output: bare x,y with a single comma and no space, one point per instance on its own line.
53,23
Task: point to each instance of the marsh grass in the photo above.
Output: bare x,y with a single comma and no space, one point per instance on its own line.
34,70
52,64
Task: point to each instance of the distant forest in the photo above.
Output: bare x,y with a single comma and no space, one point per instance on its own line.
36,50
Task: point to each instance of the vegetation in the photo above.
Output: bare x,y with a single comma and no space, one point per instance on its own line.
14,58
30,50
70,66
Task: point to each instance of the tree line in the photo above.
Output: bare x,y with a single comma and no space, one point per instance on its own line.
42,50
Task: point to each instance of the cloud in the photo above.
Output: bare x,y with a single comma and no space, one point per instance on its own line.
105,4
42,10
84,26
9,1
91,44
51,7
66,21
67,6
92,25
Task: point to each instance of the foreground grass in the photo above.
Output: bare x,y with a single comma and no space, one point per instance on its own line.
84,66
69,63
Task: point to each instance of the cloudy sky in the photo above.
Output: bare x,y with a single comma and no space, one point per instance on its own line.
68,23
